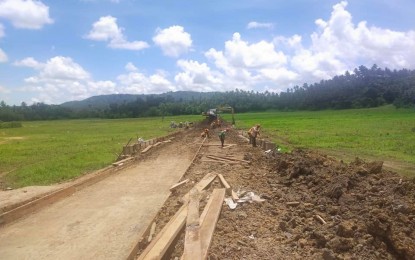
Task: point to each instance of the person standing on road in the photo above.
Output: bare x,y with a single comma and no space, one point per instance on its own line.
253,133
222,136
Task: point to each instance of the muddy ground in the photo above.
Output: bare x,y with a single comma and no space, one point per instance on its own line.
368,212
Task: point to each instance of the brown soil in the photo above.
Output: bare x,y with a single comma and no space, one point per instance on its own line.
369,211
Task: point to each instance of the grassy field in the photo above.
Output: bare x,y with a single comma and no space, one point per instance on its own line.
46,152
383,133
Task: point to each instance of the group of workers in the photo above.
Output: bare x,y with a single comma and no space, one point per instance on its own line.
253,133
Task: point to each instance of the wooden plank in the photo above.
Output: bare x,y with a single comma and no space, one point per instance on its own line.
235,196
192,243
227,158
158,247
193,208
198,150
122,161
217,144
210,218
175,186
204,212
201,185
225,184
152,230
218,159
147,148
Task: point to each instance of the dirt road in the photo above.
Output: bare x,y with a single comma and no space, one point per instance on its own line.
103,220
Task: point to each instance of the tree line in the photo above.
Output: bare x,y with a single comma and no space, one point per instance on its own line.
365,87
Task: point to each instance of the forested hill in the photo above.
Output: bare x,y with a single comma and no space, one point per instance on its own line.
104,101
364,87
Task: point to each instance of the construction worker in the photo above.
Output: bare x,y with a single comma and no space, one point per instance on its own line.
222,136
205,133
253,133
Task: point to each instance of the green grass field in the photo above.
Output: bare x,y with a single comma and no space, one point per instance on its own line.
41,153
46,152
383,133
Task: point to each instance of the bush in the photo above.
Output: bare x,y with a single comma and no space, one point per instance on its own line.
10,124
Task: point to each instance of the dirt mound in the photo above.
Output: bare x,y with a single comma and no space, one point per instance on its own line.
369,212
315,207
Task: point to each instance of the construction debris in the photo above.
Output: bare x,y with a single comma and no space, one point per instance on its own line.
152,230
147,149
177,185
225,184
119,163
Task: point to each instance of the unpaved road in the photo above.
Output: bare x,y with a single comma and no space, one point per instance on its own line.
103,220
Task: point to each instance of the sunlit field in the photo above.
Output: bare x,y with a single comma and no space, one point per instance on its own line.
383,133
45,152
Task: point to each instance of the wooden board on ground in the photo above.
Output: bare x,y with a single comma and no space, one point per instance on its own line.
226,158
209,218
146,149
122,161
225,184
201,185
158,247
235,195
219,161
175,186
152,231
192,243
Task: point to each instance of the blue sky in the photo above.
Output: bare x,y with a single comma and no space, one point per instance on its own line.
54,51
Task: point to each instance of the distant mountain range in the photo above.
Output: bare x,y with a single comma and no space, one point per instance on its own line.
103,101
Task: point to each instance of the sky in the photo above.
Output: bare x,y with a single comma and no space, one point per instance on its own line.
54,51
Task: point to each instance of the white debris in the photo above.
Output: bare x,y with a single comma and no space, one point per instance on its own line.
250,197
230,203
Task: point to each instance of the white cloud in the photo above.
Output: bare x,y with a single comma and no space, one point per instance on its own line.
3,56
130,67
257,55
61,79
29,62
107,29
251,65
339,45
63,68
258,25
173,41
138,83
27,14
197,76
